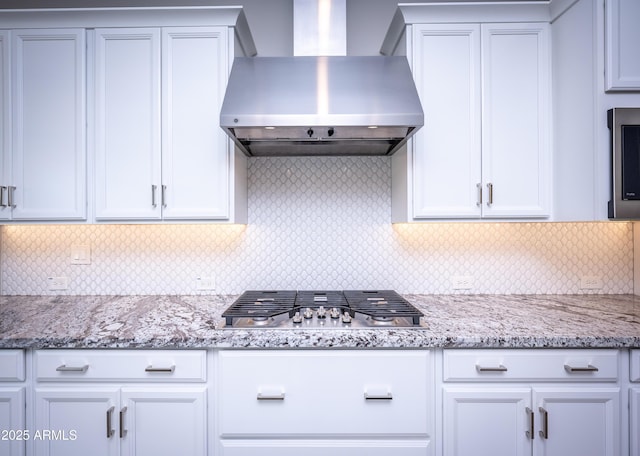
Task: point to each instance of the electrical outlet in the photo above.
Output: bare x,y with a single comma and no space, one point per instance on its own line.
58,283
591,283
462,282
206,283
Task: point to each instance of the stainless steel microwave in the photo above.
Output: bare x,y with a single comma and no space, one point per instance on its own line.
624,126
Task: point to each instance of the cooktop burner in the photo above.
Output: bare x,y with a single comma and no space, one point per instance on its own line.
321,309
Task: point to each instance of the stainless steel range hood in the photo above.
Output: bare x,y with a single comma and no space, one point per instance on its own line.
321,105
320,102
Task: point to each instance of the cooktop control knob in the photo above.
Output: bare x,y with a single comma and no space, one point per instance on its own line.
346,318
322,312
308,313
297,318
334,313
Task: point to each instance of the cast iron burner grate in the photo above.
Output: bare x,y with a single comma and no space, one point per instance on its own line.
381,305
261,305
314,299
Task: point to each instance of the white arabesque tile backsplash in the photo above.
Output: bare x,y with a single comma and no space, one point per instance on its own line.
320,223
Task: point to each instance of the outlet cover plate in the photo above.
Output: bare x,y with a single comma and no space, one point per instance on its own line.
58,283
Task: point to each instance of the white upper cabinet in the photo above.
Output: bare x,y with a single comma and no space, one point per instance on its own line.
48,145
5,124
127,100
516,109
622,38
483,77
196,158
131,94
446,152
160,152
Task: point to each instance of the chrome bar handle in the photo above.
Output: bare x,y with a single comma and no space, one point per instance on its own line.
2,189
163,196
498,368
161,370
530,433
490,188
479,200
544,432
123,431
588,368
153,195
270,397
378,397
110,430
10,202
65,368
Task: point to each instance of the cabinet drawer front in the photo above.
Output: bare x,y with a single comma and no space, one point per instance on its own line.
635,366
121,365
324,447
11,365
338,393
576,365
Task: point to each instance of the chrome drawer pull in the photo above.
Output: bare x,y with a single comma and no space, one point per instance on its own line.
123,431
270,397
499,368
530,433
572,369
2,189
65,368
153,196
544,433
162,370
10,201
378,397
110,430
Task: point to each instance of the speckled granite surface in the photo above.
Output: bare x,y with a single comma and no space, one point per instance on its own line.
514,321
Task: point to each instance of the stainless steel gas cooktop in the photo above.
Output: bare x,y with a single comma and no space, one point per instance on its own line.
321,309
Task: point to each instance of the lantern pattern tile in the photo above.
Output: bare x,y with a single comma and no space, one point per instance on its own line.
320,223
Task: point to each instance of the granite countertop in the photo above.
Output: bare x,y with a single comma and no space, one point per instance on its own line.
471,321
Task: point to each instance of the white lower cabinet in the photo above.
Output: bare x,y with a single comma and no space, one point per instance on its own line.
531,402
488,420
12,403
325,402
634,403
90,402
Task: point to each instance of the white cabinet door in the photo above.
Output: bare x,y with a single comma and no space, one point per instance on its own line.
5,125
127,117
164,421
85,421
487,421
195,150
515,120
623,34
49,124
634,419
446,151
484,150
12,421
577,421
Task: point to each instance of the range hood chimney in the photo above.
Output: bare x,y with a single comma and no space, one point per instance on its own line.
320,101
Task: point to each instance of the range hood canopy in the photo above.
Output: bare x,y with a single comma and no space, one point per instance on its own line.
330,105
320,102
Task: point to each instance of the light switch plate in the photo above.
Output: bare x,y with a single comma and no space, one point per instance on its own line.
80,254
